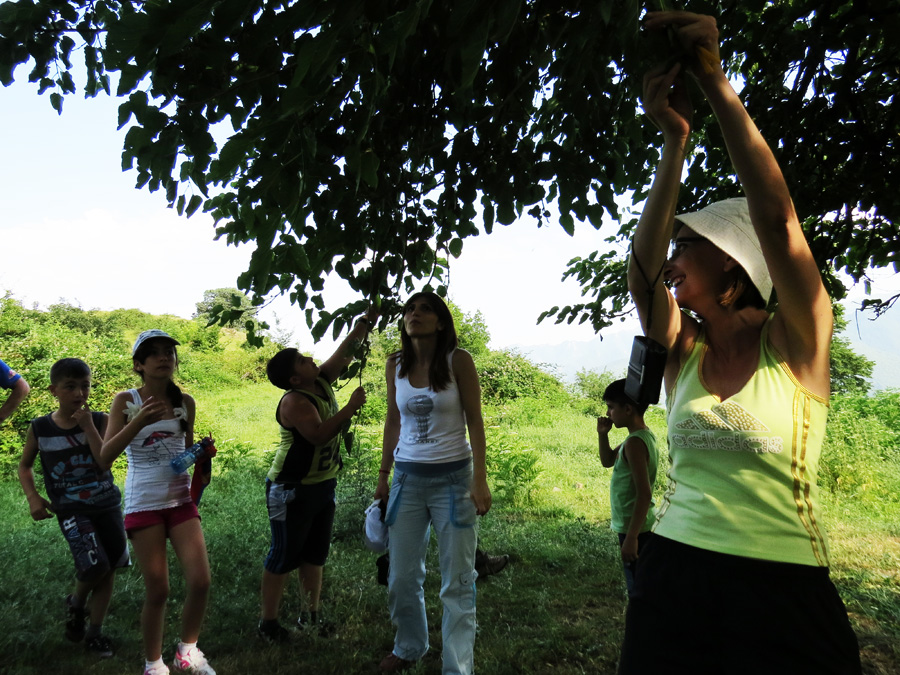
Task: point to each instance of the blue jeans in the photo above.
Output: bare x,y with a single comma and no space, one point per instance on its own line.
444,503
630,567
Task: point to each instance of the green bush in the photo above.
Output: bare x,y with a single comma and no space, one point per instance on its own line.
860,457
507,375
211,357
34,349
589,387
374,411
528,411
357,480
512,467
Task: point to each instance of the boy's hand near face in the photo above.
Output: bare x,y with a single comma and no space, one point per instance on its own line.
607,453
83,417
604,425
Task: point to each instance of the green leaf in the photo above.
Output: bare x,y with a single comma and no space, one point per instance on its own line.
367,129
506,213
56,100
194,204
368,168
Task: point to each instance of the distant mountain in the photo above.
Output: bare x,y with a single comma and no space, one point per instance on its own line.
878,340
610,353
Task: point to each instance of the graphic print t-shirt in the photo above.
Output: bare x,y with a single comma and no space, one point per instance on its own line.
73,479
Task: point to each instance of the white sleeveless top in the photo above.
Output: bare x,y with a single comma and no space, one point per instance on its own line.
432,423
151,483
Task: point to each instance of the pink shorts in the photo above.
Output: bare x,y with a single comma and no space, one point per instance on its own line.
168,518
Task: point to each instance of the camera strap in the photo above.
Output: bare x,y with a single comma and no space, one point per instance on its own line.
651,288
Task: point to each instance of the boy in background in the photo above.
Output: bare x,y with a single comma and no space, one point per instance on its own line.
82,494
634,473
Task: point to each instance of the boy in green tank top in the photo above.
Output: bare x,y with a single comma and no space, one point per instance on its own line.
634,473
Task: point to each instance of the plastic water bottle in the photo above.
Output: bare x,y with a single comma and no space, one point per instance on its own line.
187,458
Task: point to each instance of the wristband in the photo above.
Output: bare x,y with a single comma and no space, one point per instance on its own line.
387,472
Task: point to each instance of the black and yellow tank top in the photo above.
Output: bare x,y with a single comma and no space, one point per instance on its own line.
296,459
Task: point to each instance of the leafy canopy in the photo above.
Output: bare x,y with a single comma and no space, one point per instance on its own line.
371,137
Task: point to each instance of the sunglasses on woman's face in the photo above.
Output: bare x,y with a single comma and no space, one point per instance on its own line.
679,244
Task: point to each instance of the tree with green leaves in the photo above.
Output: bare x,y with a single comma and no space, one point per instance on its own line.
370,138
850,372
229,306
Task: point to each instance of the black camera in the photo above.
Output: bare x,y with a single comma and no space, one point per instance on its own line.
645,371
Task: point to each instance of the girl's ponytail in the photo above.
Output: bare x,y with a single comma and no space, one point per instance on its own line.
176,398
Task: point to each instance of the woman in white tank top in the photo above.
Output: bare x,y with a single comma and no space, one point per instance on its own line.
440,482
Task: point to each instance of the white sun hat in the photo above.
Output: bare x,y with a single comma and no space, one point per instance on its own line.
727,225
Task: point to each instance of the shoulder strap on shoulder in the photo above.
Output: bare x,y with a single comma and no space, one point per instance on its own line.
312,397
309,396
39,425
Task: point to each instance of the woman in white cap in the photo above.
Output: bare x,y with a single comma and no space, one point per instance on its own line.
152,425
735,579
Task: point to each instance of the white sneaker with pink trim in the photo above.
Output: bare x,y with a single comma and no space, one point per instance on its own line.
161,669
192,661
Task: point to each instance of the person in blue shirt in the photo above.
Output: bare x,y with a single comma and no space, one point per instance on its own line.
19,389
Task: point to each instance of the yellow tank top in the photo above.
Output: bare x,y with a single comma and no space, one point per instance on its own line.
297,460
743,471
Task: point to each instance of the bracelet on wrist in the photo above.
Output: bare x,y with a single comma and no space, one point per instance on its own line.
386,472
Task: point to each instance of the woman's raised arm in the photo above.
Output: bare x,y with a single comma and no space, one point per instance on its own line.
803,325
667,105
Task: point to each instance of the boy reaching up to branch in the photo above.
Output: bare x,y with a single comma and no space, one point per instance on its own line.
300,486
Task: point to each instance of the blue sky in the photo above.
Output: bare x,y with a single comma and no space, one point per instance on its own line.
74,227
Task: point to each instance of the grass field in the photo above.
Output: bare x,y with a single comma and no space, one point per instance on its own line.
558,608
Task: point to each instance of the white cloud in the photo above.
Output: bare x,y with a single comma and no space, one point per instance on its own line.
102,259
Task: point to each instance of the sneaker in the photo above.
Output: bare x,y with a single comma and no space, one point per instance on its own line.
192,661
99,645
272,631
394,664
323,627
486,564
75,620
161,669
